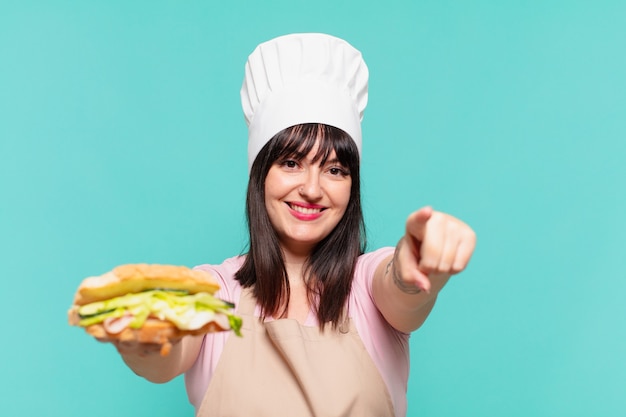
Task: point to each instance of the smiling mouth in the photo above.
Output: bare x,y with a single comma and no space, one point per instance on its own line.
305,210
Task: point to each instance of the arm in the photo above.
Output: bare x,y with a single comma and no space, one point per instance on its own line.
145,360
434,247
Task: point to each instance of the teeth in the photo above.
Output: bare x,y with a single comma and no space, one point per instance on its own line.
305,210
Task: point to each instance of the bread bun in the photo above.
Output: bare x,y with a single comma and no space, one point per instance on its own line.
131,278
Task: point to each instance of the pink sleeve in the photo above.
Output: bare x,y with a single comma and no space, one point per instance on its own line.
388,348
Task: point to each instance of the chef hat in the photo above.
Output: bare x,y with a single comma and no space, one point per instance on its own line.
303,78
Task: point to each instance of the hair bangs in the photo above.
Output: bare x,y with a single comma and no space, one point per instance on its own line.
298,141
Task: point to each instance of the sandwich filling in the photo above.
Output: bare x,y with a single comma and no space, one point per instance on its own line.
186,311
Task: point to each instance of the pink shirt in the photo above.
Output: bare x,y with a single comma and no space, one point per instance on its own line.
387,347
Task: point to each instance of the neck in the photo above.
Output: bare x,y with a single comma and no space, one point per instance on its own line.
294,264
294,272
296,255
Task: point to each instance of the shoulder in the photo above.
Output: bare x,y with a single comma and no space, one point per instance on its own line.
361,302
362,305
375,257
366,266
224,273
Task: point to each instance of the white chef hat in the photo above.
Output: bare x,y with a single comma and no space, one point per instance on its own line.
303,78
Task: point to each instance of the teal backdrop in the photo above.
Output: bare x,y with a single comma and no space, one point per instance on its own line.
122,140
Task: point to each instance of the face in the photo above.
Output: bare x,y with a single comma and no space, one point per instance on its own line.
305,201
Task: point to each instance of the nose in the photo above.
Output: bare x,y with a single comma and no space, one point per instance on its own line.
311,188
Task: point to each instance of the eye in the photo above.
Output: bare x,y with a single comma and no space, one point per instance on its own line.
338,171
289,163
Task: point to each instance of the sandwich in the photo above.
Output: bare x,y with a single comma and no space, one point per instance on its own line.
152,304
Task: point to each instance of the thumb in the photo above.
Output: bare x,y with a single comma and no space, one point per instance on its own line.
416,223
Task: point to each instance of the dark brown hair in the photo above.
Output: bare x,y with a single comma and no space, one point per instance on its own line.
329,270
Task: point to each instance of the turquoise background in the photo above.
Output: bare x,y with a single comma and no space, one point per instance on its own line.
122,140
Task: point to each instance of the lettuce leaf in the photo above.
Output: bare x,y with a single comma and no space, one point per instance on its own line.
186,311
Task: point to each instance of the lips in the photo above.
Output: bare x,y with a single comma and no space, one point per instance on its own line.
306,211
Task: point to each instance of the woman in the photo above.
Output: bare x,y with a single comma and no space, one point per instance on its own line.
326,325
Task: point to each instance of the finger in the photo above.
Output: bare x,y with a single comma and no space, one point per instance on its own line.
431,250
103,340
413,277
407,268
448,255
463,255
421,280
416,223
133,347
407,254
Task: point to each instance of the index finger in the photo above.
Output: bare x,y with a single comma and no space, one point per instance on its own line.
416,223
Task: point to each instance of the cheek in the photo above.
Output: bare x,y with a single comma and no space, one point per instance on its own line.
343,196
271,187
269,202
275,188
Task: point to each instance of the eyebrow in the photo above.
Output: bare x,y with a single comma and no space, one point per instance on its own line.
335,161
300,157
